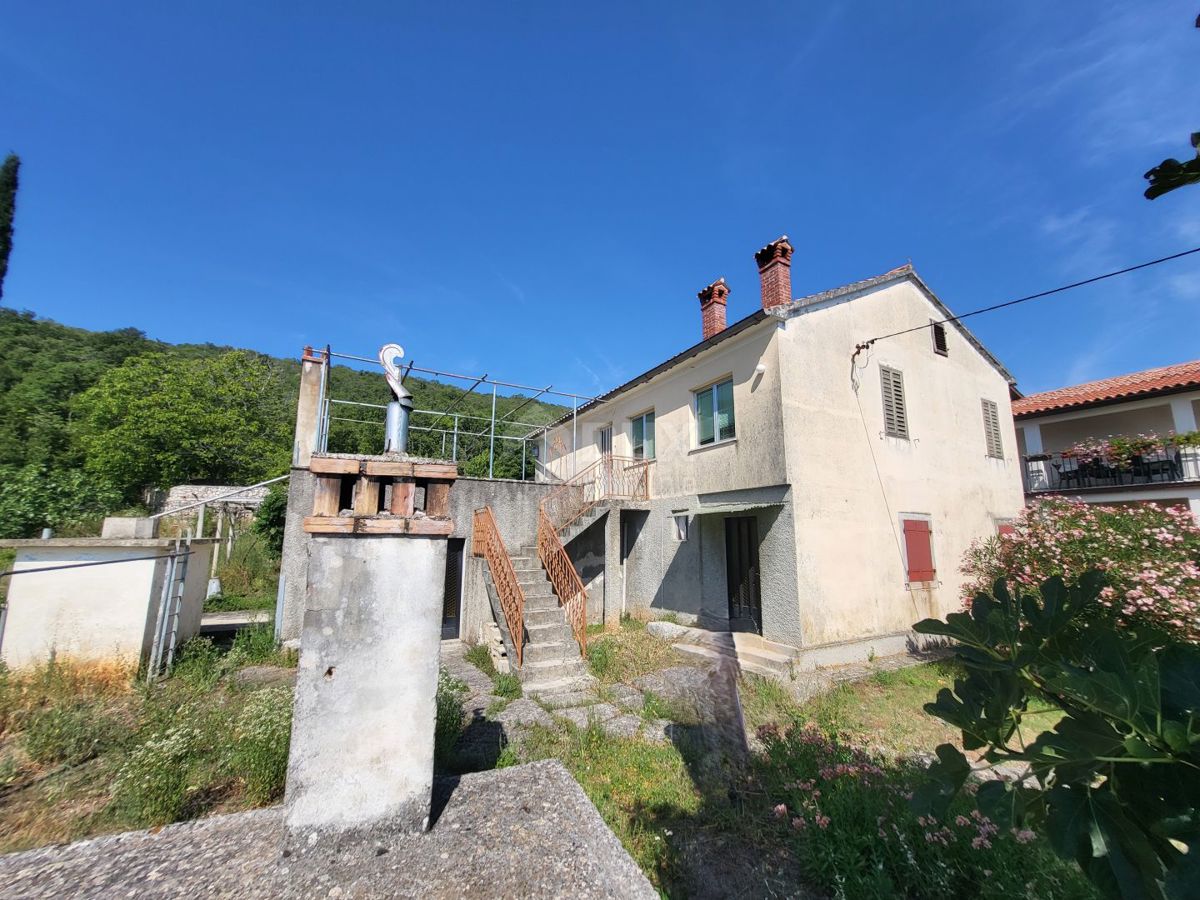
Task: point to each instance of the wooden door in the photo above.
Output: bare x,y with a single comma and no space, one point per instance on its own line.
741,573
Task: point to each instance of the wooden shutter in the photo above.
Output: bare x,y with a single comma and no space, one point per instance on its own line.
918,545
991,429
1006,528
939,338
895,411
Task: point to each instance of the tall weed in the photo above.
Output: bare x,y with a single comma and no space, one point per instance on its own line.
261,738
151,787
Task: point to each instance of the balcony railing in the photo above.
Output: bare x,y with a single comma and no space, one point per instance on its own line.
1073,471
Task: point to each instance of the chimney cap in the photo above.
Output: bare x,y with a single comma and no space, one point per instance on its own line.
779,249
716,292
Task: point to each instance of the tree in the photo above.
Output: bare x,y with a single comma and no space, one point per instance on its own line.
33,498
8,208
1115,785
1171,173
159,420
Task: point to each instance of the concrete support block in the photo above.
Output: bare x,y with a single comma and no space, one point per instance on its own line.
362,737
614,573
293,567
129,527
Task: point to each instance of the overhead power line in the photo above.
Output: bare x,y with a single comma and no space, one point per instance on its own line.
1037,296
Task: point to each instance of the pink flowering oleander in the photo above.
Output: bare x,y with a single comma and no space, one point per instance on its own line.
1148,552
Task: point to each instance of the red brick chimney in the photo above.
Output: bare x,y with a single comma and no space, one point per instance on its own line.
712,308
775,270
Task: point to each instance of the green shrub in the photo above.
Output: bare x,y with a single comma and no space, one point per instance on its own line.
261,738
507,686
855,834
1115,785
69,733
508,757
250,574
34,497
151,786
253,644
451,714
601,658
198,663
271,517
481,658
1148,554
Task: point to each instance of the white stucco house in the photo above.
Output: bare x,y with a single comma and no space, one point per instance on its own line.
806,482
1131,438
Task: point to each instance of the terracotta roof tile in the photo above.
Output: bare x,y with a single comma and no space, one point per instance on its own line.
1136,384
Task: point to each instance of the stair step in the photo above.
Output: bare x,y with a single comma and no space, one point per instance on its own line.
535,673
551,651
544,633
543,617
567,698
538,602
745,662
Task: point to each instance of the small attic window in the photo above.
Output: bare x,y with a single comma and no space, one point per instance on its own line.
939,338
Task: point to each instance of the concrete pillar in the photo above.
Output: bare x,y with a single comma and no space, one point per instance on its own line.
1183,416
614,575
308,409
293,564
1194,506
1036,475
362,737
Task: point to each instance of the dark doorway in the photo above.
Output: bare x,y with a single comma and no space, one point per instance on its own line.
741,573
453,598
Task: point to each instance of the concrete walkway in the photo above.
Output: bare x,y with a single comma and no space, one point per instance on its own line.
525,831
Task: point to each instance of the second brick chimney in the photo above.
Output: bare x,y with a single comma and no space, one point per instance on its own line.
712,308
775,270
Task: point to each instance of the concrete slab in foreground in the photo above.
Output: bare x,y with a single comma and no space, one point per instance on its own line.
525,831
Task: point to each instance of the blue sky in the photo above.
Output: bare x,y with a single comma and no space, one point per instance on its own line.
538,191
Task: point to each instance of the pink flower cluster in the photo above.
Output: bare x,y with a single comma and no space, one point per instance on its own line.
1148,552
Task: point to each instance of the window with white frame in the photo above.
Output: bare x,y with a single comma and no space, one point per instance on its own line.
714,413
642,435
681,527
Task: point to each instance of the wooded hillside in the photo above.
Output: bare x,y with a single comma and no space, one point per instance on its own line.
89,419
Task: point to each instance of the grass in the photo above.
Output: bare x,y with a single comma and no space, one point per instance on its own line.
249,576
628,653
90,749
640,789
7,558
505,684
885,711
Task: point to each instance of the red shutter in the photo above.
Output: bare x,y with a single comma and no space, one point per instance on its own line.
919,550
1006,528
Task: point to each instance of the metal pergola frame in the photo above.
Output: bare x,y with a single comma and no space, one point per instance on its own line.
532,431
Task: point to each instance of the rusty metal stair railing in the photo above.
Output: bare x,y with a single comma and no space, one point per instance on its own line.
609,478
487,543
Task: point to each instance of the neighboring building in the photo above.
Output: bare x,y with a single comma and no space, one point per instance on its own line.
801,485
1129,438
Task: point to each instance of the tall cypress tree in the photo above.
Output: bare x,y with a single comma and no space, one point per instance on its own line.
8,207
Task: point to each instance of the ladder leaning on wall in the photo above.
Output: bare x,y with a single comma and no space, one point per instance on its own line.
166,626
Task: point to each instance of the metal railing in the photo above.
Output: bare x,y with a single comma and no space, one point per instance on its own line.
487,543
1071,471
608,478
566,581
448,433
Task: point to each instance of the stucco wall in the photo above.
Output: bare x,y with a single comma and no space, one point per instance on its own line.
1057,436
681,466
852,483
105,612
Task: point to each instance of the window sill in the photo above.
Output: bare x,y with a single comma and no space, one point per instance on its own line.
922,585
714,444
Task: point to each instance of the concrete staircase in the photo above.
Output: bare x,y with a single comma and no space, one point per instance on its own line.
554,670
752,652
580,525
